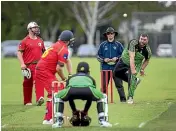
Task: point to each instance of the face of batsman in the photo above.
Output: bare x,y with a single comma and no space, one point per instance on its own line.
143,41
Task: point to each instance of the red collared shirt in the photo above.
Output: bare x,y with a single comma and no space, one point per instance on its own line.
32,49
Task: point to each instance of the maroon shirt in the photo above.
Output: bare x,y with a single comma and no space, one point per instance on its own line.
32,49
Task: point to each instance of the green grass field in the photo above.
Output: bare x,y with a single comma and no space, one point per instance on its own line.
154,108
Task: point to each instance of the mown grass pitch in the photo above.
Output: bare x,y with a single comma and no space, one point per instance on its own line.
154,107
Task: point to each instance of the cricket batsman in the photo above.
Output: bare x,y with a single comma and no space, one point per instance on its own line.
134,59
29,53
81,86
52,62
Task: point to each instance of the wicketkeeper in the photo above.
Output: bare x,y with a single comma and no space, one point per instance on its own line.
81,86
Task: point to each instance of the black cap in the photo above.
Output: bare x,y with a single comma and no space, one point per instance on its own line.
110,30
83,67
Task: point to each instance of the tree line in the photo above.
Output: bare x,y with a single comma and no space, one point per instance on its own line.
83,17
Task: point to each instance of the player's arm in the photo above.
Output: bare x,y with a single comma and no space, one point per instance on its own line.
59,69
144,65
62,59
20,51
69,67
100,56
131,50
146,61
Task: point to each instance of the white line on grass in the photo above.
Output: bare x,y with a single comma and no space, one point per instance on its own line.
144,123
4,125
116,124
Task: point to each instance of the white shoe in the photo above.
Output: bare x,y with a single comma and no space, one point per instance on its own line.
40,101
28,104
130,100
46,122
57,125
104,123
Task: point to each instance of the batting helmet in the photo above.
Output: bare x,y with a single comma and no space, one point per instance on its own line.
67,35
83,67
33,25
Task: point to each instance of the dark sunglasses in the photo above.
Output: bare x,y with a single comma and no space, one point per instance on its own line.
108,33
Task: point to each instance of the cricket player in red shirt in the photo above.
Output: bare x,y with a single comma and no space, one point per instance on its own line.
52,62
29,53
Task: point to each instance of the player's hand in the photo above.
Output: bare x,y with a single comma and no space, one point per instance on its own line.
107,60
133,72
69,76
142,73
23,66
114,59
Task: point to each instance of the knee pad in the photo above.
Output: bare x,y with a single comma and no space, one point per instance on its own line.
75,121
85,121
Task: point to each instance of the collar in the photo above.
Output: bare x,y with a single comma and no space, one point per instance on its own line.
111,42
27,37
62,43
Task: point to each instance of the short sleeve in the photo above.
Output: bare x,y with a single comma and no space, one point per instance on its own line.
22,46
62,56
132,44
149,52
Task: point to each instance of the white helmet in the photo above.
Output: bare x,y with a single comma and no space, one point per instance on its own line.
32,25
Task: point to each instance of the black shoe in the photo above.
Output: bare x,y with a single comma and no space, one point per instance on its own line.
122,99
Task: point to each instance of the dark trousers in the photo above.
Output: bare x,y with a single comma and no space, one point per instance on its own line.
83,93
118,84
123,72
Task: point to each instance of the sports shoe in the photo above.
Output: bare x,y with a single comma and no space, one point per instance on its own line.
59,123
130,100
46,122
40,101
104,123
28,104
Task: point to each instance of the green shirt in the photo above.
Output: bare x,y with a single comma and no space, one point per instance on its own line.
81,80
140,53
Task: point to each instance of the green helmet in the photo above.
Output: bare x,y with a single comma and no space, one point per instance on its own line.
83,67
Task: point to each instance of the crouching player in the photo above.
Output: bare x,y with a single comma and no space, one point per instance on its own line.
81,86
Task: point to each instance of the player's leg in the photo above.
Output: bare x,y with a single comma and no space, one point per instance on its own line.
28,86
132,85
59,99
75,119
119,85
120,71
39,90
27,91
102,107
83,93
47,83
